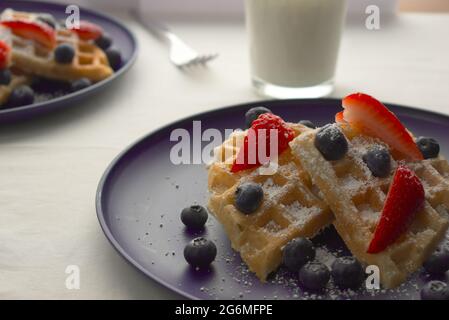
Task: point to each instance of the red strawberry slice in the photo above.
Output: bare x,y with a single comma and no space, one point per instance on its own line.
405,198
33,30
248,156
368,115
5,54
339,117
88,30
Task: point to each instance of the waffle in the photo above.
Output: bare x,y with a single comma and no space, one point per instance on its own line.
357,198
17,79
89,62
290,207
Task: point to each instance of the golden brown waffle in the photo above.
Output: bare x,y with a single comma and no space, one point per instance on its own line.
290,208
357,197
89,62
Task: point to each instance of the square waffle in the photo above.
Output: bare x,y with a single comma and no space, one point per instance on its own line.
89,62
290,207
357,197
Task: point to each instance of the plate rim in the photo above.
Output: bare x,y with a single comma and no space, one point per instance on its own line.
91,89
119,157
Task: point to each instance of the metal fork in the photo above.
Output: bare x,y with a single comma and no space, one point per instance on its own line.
181,55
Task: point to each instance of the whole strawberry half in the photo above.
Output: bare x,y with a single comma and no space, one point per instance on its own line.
37,31
369,116
88,30
405,198
5,51
259,136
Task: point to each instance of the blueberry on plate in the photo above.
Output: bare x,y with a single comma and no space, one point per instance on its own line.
429,147
80,84
21,96
435,290
331,142
200,252
104,41
307,123
248,197
5,77
378,160
438,262
64,53
347,273
314,276
194,217
297,253
114,57
253,113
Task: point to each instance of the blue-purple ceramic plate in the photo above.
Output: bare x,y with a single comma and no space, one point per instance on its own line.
53,95
142,193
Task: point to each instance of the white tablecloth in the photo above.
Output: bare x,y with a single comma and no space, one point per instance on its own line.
50,167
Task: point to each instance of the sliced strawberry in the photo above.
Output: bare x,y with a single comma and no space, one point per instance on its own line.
368,115
33,30
339,117
405,198
261,127
5,54
88,30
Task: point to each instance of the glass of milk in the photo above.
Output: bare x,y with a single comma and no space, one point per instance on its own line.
294,45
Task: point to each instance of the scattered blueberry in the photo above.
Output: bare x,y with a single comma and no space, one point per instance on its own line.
435,290
80,84
331,142
378,160
429,147
5,77
114,58
307,123
49,20
64,53
253,113
104,41
200,252
347,272
194,216
248,197
438,262
297,253
20,96
314,276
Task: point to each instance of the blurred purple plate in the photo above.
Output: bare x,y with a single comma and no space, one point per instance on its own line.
53,95
142,193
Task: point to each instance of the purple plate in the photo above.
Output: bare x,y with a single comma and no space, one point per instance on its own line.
142,193
53,95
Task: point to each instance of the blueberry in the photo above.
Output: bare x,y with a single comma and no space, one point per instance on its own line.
438,262
64,53
429,147
378,160
48,19
200,252
253,113
435,290
248,197
331,142
194,216
104,41
314,276
20,96
307,123
5,77
347,272
297,253
114,58
80,84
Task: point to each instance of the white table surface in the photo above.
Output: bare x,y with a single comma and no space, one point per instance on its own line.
50,167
